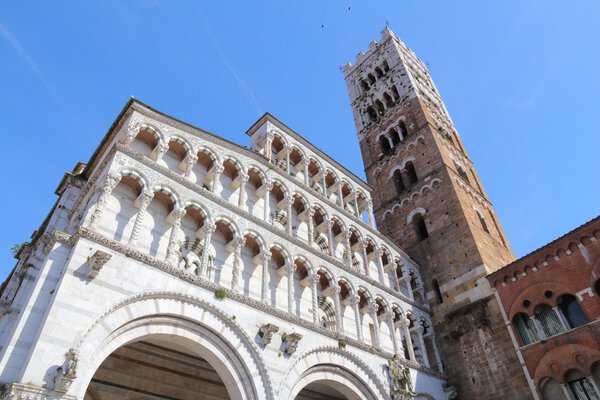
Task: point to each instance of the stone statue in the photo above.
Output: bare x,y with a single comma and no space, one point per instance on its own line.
292,342
400,376
451,390
66,373
267,331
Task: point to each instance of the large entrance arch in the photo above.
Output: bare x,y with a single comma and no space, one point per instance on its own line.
159,367
330,382
333,374
170,323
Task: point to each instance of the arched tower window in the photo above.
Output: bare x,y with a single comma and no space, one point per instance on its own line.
371,78
418,223
395,136
384,143
525,329
411,173
364,85
388,100
572,311
398,182
372,114
396,94
462,173
403,131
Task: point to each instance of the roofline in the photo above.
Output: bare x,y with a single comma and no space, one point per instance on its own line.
540,249
271,118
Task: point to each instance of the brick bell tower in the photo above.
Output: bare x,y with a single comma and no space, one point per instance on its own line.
429,199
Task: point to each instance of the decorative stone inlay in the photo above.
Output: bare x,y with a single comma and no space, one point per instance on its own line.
97,261
266,332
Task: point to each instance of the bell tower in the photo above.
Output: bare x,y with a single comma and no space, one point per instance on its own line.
429,200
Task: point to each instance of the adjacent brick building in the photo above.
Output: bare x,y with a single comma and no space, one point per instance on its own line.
552,311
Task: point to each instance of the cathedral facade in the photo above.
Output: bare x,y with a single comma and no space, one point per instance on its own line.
176,264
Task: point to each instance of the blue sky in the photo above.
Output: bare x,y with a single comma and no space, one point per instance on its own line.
521,80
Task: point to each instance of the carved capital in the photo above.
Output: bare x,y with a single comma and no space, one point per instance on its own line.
354,299
266,255
290,268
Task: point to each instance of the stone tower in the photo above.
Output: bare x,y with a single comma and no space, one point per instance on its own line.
428,198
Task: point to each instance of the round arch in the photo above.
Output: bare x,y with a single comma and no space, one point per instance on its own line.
352,376
194,323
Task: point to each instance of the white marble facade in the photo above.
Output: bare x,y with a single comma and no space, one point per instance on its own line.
262,261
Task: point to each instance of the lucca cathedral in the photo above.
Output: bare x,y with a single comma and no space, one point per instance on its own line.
178,265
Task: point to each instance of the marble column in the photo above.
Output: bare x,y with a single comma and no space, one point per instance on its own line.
160,150
290,269
314,281
215,186
339,327
208,231
370,214
242,194
373,312
172,249
355,301
266,257
110,183
411,350
143,201
190,161
290,202
238,243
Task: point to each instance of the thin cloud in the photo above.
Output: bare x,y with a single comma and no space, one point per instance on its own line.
18,47
245,88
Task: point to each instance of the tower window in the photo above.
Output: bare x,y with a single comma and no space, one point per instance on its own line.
380,106
482,222
379,72
418,223
462,173
438,292
384,143
364,85
403,131
395,136
396,94
398,182
411,173
388,100
372,114
386,67
371,78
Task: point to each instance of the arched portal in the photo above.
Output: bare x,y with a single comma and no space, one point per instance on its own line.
331,374
171,323
160,366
